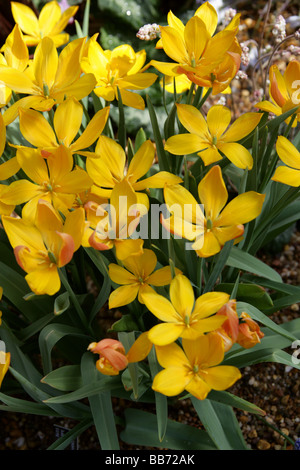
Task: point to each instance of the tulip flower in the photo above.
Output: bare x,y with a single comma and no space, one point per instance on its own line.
49,79
45,246
110,169
197,52
135,277
111,226
249,333
50,23
4,364
209,137
182,316
230,328
289,155
119,68
52,180
67,120
112,356
220,223
284,91
195,368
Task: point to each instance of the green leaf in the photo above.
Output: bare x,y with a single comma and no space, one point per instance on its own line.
251,293
161,402
70,436
101,406
222,259
66,378
61,303
126,323
141,429
17,405
161,154
246,262
228,398
221,424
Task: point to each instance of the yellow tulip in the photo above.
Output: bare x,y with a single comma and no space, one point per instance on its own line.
211,136
49,79
136,276
52,179
119,68
220,223
45,246
67,120
195,368
284,91
289,155
110,169
50,23
182,316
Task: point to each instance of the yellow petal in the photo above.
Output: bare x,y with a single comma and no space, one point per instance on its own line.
159,180
287,176
25,18
120,275
206,349
140,348
92,130
175,23
210,155
161,277
165,333
174,45
160,307
221,377
204,326
4,364
67,120
141,162
33,165
180,201
79,89
20,191
112,155
224,234
75,182
242,127
9,168
213,193
196,37
74,226
206,246
287,152
182,295
16,80
192,119
269,107
63,21
184,144
237,154
209,303
44,282
167,68
291,74
38,103
60,164
171,382
171,355
138,81
48,18
218,119
209,16
123,295
198,388
242,209
142,265
134,100
45,63
36,129
130,247
20,233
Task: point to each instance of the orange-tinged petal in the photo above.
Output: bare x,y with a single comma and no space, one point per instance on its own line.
184,144
218,119
165,333
171,382
36,129
160,307
92,130
287,152
242,209
209,303
44,282
213,193
192,119
65,249
287,175
123,295
74,226
242,127
25,18
278,89
120,275
237,154
182,295
221,377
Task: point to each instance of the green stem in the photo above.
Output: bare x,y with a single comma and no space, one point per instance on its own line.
204,98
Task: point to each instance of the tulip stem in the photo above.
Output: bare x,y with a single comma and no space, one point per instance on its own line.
75,302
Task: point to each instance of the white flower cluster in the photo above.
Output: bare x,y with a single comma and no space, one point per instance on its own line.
245,58
294,49
279,30
297,34
149,32
241,75
229,14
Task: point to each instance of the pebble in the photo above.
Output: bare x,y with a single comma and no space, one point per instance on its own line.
263,444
